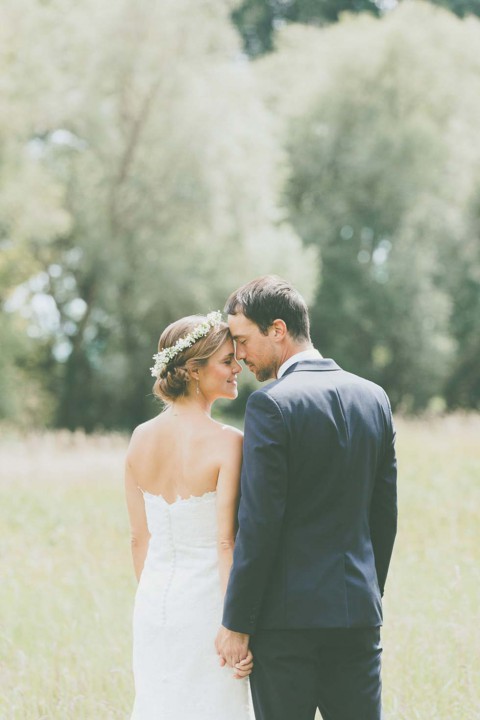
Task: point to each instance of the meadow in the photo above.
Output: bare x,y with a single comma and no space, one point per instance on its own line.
67,586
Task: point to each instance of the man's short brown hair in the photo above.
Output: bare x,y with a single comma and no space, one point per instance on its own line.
270,298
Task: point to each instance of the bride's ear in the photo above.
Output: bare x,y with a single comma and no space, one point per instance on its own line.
192,371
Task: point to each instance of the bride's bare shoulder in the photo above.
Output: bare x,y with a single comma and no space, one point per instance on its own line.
145,433
230,445
228,434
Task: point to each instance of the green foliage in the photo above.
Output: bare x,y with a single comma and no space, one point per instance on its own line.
147,168
462,8
32,213
258,20
381,182
147,128
463,284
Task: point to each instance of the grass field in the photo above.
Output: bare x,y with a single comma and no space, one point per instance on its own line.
67,586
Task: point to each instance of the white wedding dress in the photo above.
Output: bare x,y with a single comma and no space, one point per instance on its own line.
178,611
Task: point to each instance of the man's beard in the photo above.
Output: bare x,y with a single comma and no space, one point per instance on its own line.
266,373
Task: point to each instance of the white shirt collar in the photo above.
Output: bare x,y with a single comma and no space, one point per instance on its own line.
311,354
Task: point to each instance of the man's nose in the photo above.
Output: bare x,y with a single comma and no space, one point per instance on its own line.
239,352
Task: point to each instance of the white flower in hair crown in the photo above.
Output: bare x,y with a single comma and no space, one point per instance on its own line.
199,331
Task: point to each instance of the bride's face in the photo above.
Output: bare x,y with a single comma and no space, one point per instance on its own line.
218,378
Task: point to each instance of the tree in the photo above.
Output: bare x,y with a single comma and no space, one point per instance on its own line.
462,8
463,283
258,20
381,180
32,216
153,130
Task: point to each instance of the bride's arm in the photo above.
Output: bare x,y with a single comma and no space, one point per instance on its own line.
228,491
228,494
136,511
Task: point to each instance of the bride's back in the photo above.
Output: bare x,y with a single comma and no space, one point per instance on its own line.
177,455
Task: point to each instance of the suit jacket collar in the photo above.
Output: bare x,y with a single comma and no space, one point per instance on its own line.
320,365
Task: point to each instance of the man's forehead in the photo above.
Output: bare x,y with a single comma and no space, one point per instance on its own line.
239,324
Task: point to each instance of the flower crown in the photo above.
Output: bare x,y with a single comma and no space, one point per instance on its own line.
199,331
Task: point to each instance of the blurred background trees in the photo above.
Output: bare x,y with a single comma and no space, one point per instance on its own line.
168,179
259,21
383,159
148,167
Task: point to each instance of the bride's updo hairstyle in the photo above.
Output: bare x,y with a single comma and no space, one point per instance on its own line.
174,379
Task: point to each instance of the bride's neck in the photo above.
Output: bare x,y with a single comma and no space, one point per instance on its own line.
191,406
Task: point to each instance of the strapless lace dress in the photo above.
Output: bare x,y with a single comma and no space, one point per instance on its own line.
178,610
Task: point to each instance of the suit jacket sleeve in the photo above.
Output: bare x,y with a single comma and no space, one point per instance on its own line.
383,510
261,512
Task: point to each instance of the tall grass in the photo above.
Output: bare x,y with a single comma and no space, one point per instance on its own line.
432,605
67,586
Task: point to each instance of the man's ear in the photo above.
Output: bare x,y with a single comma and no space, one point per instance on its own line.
280,330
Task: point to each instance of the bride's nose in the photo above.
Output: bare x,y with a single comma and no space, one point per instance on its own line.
237,368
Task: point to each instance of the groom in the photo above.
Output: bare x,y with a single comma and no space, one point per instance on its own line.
317,519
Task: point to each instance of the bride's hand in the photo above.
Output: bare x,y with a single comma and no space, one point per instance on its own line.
244,667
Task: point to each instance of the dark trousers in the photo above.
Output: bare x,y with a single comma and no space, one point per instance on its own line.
335,670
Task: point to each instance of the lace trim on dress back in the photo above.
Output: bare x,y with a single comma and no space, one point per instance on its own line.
210,494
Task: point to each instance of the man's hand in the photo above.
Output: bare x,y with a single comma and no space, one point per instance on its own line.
233,650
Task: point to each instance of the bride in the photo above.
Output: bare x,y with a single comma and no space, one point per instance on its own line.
182,485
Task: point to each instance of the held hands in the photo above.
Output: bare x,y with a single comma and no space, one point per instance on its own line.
243,668
232,647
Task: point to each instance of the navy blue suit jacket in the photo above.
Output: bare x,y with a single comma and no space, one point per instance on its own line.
318,508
